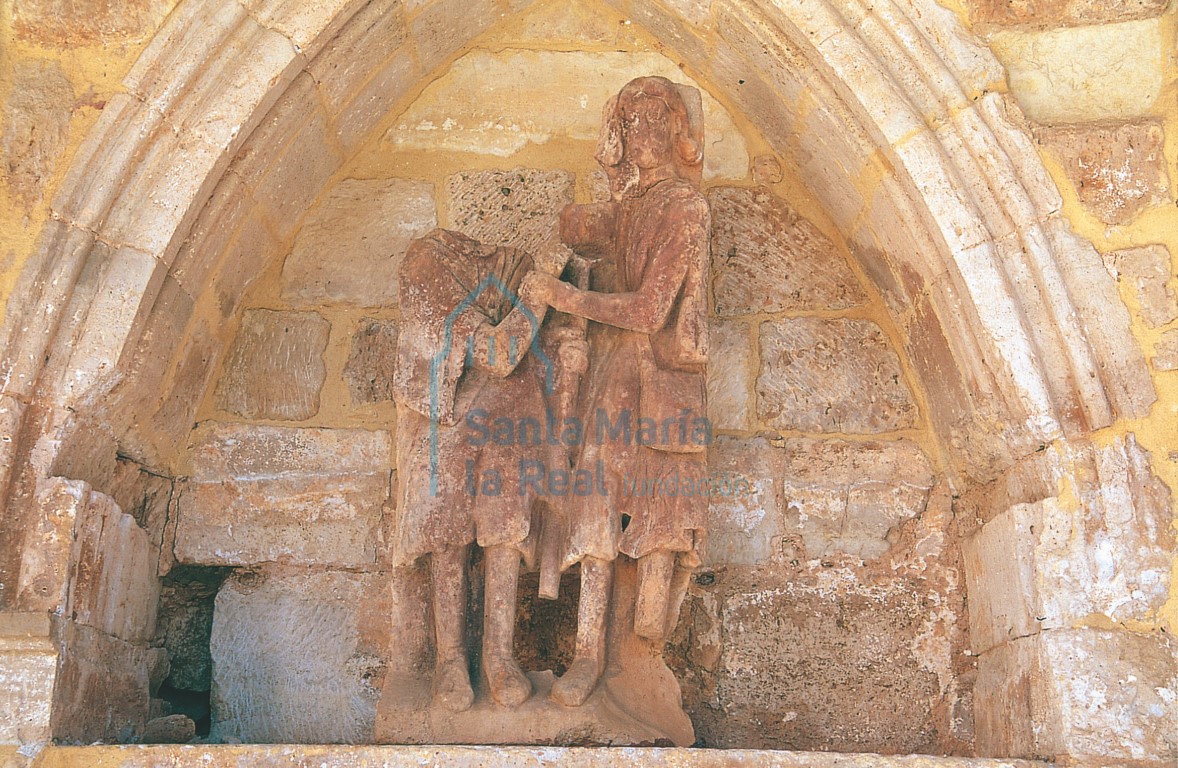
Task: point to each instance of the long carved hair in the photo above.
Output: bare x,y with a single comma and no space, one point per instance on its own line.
686,134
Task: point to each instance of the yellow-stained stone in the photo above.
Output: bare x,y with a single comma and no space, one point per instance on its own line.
531,97
1084,73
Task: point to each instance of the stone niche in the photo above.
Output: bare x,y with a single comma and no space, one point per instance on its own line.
830,611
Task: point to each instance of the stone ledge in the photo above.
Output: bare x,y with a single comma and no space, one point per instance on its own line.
274,756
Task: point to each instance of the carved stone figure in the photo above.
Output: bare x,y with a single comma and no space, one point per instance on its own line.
468,344
576,440
649,364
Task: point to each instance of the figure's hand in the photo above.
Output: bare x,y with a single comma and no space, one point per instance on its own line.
572,351
539,287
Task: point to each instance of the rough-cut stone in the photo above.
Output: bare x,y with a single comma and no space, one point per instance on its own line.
518,208
836,375
1118,75
790,643
351,244
846,497
1147,269
260,494
769,259
35,127
102,689
1088,695
275,367
730,371
744,516
28,663
185,623
369,370
532,97
299,657
445,26
169,729
1166,352
767,170
45,563
1057,562
1054,13
63,23
1116,171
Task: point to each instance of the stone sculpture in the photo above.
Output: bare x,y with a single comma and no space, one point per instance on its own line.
576,439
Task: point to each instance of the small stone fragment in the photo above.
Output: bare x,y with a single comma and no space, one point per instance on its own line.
1148,269
369,370
1166,352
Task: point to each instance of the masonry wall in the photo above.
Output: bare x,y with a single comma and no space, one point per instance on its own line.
850,527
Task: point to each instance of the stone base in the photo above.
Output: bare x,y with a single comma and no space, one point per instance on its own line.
294,756
407,716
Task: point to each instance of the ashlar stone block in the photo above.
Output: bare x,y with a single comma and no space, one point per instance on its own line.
843,497
278,494
1087,695
769,259
1054,563
518,208
1117,171
730,372
1054,13
299,657
838,375
350,247
275,368
35,127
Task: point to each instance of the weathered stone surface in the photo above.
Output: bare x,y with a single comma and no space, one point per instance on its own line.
351,244
836,375
62,23
1147,269
445,26
349,57
35,127
1056,562
1118,76
767,170
1166,352
1054,13
730,372
1084,694
744,516
299,657
45,562
369,370
112,584
280,756
169,729
275,367
28,665
843,497
1116,171
185,624
796,648
769,259
518,208
102,689
260,494
532,97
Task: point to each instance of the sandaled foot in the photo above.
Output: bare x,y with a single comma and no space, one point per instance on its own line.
575,685
452,687
509,686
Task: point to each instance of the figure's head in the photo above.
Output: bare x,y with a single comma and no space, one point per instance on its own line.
647,126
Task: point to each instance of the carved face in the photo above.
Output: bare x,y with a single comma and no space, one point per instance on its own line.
648,136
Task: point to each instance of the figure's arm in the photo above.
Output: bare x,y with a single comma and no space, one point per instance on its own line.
646,309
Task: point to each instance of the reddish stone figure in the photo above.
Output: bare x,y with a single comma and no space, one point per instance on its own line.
649,351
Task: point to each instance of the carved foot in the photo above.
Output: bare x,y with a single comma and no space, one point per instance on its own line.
452,685
510,687
575,685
